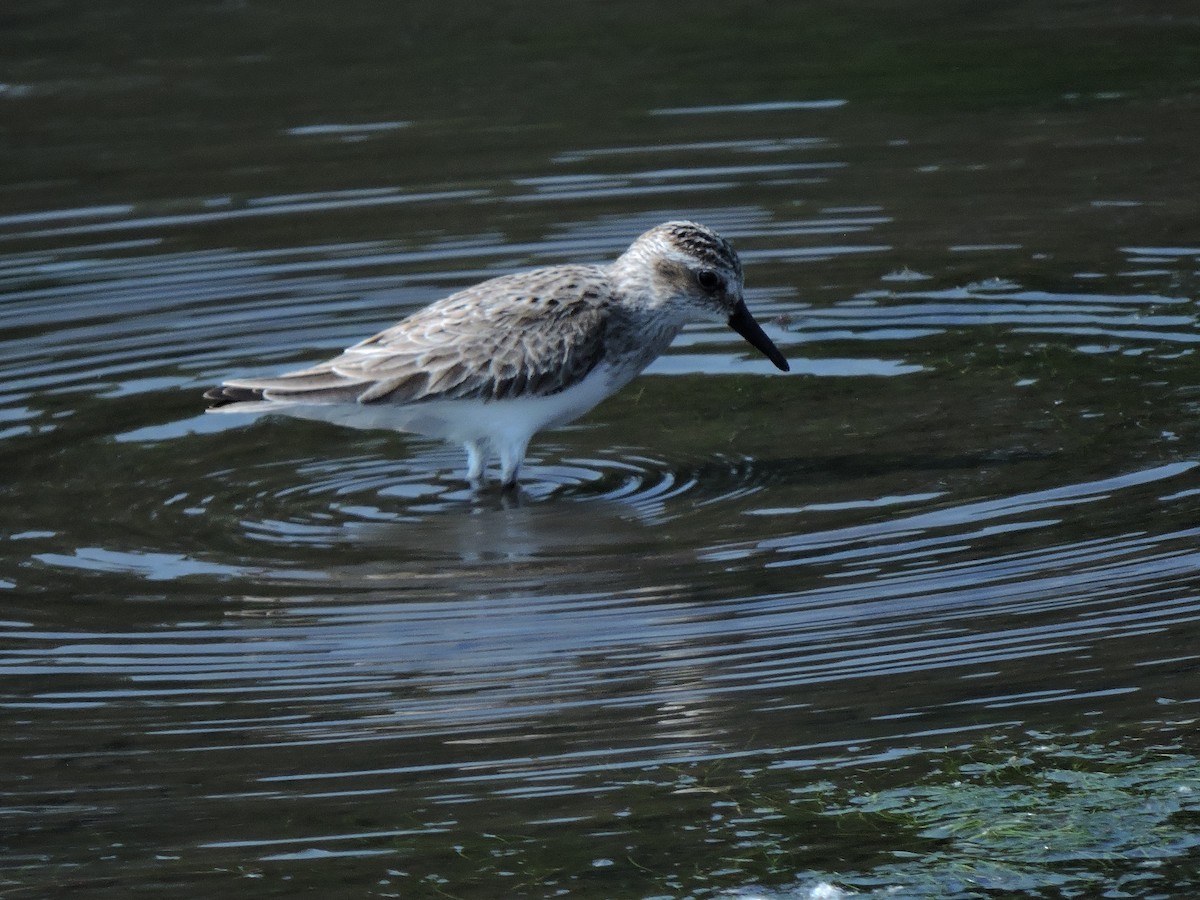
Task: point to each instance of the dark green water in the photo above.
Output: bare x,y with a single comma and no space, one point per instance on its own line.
918,620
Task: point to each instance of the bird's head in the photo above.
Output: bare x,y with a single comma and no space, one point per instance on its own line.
696,275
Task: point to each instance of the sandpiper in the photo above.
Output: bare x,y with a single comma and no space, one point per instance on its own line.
495,363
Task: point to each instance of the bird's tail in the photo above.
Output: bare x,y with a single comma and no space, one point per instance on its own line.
226,395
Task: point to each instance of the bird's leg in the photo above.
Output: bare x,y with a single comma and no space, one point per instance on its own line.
512,452
477,456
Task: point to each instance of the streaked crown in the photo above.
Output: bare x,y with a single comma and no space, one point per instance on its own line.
700,244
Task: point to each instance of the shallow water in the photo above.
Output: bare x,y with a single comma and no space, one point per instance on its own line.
919,619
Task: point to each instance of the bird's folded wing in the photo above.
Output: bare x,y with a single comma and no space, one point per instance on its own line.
507,337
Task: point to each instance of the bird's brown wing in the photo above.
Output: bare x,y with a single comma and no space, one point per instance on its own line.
535,333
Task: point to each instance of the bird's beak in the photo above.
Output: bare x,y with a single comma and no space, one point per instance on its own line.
743,323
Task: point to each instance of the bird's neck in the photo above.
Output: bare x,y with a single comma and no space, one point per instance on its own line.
638,334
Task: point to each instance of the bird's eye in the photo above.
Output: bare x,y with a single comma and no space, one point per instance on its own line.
708,279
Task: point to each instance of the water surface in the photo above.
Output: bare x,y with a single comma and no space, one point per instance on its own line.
918,619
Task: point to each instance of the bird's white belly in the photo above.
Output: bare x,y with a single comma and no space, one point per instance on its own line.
456,420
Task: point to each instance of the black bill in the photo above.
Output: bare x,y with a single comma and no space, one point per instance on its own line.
743,323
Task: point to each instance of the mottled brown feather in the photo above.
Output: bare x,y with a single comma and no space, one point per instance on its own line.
536,333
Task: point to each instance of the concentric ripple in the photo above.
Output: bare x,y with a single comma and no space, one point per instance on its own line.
327,501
